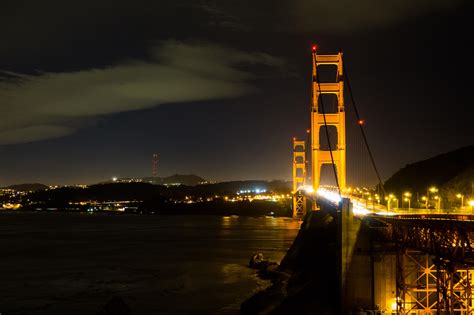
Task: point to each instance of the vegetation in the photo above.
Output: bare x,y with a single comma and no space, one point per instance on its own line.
451,173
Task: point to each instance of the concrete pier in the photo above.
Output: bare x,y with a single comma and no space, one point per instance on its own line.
335,266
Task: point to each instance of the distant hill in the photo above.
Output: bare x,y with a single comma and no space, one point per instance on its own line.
146,191
451,173
177,179
188,180
27,187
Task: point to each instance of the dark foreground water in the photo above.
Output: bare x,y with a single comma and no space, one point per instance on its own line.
68,263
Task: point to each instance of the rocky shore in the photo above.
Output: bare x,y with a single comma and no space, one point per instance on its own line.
305,282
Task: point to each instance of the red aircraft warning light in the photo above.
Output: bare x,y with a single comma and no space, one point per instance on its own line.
314,48
361,122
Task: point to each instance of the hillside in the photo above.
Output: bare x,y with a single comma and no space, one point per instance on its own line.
188,180
452,173
27,187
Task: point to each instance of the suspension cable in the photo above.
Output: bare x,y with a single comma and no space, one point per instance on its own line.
360,122
326,125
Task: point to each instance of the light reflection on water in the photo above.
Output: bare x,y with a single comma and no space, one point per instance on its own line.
66,263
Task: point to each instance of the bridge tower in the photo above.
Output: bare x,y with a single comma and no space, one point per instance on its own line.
338,119
299,177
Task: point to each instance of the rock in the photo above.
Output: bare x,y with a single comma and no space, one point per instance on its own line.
258,261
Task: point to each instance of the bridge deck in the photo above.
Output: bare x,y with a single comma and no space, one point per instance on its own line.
448,235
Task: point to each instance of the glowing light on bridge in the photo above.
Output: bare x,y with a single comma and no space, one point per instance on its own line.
471,203
329,195
359,209
308,189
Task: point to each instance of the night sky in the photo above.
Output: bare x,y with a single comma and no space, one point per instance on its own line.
91,89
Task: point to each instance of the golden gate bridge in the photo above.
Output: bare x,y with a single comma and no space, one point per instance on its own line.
419,261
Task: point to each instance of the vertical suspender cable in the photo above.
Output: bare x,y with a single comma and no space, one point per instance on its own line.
360,123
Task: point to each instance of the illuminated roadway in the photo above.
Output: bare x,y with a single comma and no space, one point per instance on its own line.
362,207
437,232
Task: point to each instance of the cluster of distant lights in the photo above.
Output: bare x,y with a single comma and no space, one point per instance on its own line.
253,191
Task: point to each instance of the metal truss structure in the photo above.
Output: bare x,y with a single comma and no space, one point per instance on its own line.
299,204
426,285
299,178
452,240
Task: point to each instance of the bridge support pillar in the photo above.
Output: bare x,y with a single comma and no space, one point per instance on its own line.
354,268
299,178
366,270
299,205
320,119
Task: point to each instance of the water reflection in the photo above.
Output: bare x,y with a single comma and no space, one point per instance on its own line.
264,222
232,272
159,261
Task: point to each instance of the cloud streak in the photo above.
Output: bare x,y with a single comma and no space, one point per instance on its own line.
49,105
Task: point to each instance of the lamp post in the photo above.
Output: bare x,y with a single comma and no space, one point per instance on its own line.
460,196
432,189
438,199
389,201
425,199
408,198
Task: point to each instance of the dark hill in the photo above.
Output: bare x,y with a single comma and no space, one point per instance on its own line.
451,173
28,187
188,180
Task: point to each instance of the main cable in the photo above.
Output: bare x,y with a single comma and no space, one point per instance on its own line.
360,122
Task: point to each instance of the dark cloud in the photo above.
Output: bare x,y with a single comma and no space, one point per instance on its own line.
341,16
41,106
347,16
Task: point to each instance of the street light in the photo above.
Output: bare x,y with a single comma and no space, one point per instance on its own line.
425,199
389,199
438,199
432,189
471,203
408,198
460,196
